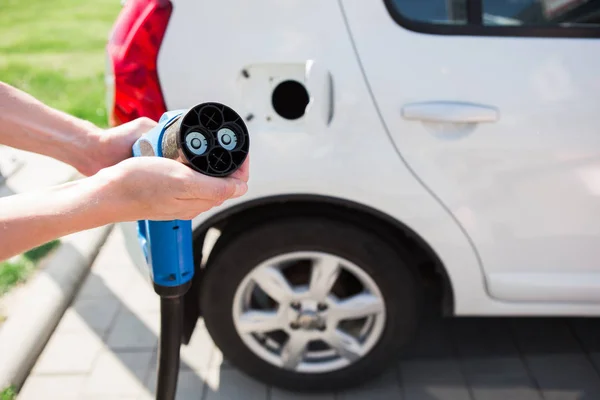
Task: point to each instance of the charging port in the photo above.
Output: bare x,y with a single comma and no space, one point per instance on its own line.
289,99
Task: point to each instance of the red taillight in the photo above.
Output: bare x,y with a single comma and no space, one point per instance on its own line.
132,52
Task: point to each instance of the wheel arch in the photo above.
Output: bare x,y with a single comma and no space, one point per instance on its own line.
234,220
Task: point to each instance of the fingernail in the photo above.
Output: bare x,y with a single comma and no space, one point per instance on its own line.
240,188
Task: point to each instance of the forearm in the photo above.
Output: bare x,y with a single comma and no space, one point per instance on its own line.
31,219
28,124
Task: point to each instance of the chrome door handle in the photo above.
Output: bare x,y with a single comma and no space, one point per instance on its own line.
449,112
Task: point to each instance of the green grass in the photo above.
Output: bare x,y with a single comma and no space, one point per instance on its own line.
54,50
8,394
17,270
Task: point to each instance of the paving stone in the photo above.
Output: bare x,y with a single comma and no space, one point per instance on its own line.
118,374
10,162
190,386
565,376
434,340
112,273
278,394
587,331
90,315
433,379
52,387
385,387
68,353
595,359
114,257
100,284
199,353
118,287
140,296
499,378
218,360
477,337
230,384
134,331
544,336
35,171
95,287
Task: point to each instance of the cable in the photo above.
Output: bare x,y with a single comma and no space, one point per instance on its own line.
171,325
212,139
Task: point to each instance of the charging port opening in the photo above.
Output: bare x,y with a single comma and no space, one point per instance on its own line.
290,99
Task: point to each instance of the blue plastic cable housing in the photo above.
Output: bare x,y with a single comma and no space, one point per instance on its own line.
170,260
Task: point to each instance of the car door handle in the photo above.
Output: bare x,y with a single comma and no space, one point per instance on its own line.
449,112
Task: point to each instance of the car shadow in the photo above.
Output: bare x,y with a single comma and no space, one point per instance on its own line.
451,358
494,358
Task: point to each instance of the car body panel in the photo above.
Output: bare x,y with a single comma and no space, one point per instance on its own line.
504,131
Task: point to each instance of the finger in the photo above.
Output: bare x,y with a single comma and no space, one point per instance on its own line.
193,208
145,123
241,189
190,209
215,189
243,172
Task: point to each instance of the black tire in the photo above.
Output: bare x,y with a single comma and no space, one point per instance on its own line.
388,266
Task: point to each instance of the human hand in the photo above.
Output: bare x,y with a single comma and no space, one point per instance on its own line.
111,146
158,189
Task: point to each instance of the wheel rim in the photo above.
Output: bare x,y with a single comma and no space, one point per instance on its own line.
309,312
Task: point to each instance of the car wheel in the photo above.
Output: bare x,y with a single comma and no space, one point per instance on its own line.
309,304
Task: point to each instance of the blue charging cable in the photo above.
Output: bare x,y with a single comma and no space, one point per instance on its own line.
213,140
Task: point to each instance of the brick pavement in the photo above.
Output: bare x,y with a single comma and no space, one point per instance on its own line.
105,348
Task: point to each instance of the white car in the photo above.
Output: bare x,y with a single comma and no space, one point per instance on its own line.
402,152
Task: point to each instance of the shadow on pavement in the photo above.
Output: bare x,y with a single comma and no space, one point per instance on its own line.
466,358
131,336
5,190
497,358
